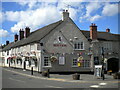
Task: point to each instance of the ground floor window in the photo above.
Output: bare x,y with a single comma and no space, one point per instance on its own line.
46,62
83,63
19,61
61,60
74,62
7,61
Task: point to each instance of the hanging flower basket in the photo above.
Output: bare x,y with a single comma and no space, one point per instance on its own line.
18,58
53,58
80,59
34,58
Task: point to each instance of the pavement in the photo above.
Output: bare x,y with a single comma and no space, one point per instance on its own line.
59,80
83,77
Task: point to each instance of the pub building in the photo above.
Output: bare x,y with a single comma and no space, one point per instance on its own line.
63,47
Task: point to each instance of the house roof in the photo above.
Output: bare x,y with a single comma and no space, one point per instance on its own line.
104,36
42,32
8,46
34,36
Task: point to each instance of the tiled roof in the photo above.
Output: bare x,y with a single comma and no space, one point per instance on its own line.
8,46
34,36
103,36
37,35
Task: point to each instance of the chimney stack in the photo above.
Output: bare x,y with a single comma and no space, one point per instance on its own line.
107,30
65,15
27,32
15,37
93,31
7,42
21,34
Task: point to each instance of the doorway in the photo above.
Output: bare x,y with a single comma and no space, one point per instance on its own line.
113,64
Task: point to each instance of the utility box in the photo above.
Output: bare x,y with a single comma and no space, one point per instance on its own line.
98,70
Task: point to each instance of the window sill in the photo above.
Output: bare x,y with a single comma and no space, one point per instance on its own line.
74,66
79,49
46,66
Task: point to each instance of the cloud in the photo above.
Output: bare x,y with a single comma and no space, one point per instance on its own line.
43,15
2,18
91,9
12,16
110,9
3,33
36,18
94,18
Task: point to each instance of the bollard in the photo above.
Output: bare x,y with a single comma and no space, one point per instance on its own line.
24,65
48,73
31,70
103,76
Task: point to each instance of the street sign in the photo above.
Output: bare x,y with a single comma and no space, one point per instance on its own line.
98,70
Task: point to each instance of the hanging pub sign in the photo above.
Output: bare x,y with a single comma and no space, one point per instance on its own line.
53,58
80,58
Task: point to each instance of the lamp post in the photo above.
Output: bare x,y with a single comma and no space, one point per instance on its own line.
103,77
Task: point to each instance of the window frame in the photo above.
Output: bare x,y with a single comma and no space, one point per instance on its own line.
32,47
73,62
49,63
78,45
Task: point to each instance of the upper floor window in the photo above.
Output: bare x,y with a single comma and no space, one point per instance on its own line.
18,49
107,46
32,47
38,46
7,52
79,46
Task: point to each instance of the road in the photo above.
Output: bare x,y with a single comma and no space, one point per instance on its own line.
11,79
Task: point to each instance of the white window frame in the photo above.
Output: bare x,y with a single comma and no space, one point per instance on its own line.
73,62
61,60
79,46
18,49
49,63
32,47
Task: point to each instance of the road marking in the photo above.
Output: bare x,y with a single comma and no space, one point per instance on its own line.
102,84
95,86
17,80
56,79
53,86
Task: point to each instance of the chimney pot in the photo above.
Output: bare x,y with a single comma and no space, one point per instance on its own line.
15,37
107,30
21,34
27,32
65,15
7,42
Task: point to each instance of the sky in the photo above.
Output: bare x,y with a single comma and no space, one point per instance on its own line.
35,14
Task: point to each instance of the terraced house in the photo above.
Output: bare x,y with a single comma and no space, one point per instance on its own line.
63,47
